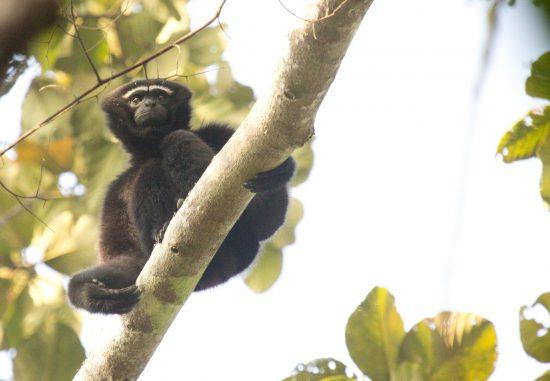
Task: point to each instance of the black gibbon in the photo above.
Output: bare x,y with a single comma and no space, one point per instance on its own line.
151,119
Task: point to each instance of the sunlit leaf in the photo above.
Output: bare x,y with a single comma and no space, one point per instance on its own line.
56,156
526,137
174,63
70,244
538,83
111,37
452,346
160,10
43,100
206,48
322,370
50,44
304,163
97,163
374,333
17,230
544,377
51,354
77,63
408,371
224,79
286,234
18,303
544,156
171,28
266,269
138,32
50,303
534,334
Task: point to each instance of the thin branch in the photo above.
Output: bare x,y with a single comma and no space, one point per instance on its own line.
278,123
328,15
112,17
107,80
18,198
186,76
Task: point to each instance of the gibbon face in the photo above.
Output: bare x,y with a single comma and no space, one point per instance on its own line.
151,107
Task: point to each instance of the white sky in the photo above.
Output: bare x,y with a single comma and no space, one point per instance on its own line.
402,195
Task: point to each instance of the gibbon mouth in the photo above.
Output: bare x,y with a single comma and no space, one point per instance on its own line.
152,118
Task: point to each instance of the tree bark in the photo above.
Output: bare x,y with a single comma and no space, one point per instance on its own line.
277,124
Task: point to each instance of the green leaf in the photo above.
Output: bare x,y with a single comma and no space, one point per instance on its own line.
56,156
77,62
266,269
172,63
49,45
207,47
286,234
538,83
526,137
304,163
102,161
18,304
408,371
534,335
544,156
70,244
45,98
16,234
51,354
452,346
50,305
544,377
374,333
322,370
138,32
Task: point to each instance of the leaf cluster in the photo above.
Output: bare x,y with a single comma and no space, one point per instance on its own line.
450,346
535,337
529,137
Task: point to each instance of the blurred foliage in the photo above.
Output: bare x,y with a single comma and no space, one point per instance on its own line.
450,346
529,137
70,162
535,337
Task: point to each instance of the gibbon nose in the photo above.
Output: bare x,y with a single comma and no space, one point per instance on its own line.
149,102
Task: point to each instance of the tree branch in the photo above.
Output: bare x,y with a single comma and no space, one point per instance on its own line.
84,49
276,125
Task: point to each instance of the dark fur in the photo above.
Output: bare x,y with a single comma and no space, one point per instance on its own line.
167,159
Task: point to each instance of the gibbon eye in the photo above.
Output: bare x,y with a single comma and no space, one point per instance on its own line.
136,100
161,98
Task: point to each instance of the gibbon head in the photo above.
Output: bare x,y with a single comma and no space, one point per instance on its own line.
147,110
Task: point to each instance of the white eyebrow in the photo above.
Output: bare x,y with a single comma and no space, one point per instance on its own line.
162,88
145,88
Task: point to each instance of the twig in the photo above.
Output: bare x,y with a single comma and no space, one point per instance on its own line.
316,20
18,198
122,72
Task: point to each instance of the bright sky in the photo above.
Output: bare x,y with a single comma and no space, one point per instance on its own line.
403,194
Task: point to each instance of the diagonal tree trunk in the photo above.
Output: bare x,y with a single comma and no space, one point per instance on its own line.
277,124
